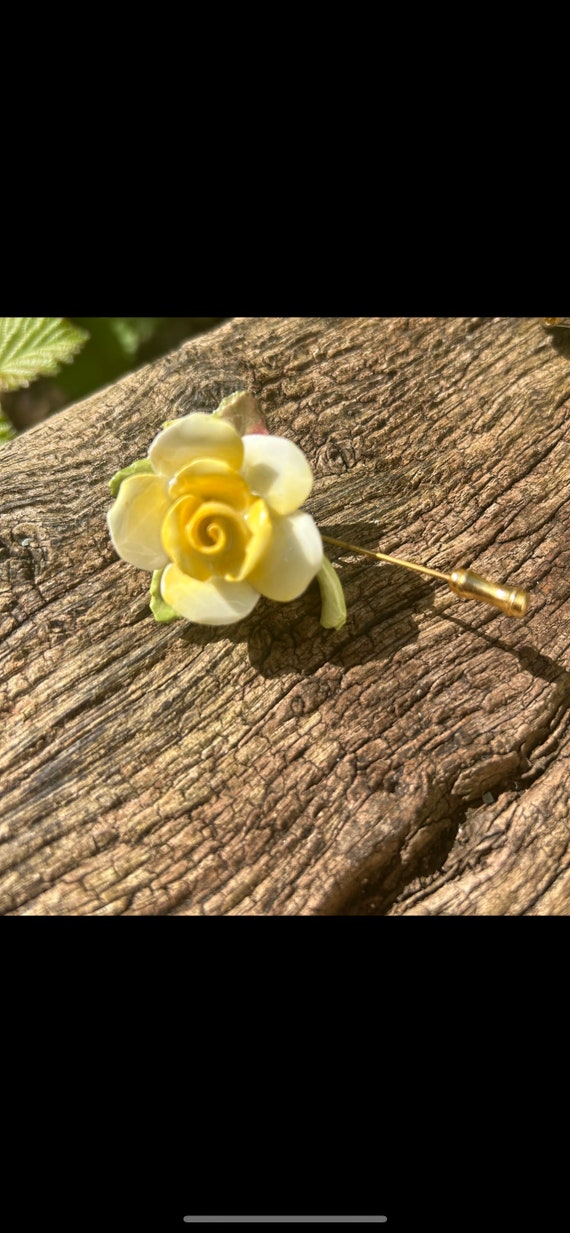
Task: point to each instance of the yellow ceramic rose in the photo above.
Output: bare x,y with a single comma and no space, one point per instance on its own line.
217,514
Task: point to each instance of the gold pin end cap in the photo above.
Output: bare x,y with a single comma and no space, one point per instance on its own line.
519,602
513,601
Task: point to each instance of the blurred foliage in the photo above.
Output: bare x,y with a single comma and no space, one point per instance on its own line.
116,346
119,344
6,429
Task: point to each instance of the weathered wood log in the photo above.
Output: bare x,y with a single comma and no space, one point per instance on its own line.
414,762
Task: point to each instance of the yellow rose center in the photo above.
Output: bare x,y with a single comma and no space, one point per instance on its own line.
217,530
215,526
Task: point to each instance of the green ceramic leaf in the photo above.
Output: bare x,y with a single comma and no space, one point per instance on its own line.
141,467
333,612
160,609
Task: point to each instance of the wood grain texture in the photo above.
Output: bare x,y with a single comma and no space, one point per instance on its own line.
415,762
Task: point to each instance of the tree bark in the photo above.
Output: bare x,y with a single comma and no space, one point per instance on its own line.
414,762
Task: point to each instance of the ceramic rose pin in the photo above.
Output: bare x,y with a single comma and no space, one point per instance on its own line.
214,512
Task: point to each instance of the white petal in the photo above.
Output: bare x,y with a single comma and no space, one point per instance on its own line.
215,602
293,559
135,521
277,470
195,436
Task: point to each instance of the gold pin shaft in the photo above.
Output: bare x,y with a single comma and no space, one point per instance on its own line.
513,601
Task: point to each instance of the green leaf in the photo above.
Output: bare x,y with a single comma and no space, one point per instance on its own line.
142,466
160,609
33,347
333,612
7,431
